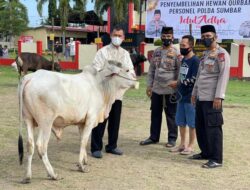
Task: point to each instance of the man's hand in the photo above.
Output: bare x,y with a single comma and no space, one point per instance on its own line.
217,103
173,84
193,100
149,92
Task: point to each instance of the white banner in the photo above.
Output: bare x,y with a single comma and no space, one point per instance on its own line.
231,18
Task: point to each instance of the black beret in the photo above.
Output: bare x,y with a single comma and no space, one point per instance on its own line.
207,28
167,30
157,11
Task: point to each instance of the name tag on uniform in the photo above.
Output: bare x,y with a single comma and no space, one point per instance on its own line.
184,70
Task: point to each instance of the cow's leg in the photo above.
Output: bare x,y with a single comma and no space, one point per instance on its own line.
42,146
84,134
30,149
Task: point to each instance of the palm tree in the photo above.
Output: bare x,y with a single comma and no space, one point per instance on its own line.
64,8
119,8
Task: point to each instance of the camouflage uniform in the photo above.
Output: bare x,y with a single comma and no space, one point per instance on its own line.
212,79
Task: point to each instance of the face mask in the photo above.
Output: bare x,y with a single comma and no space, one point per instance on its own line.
184,51
207,42
116,41
166,42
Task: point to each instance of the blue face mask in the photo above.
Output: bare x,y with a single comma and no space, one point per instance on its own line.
207,42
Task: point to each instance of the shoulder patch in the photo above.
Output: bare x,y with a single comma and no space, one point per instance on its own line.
221,57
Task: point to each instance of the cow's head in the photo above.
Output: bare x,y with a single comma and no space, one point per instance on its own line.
124,77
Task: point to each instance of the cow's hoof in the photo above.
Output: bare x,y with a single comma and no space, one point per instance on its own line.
54,177
26,181
83,168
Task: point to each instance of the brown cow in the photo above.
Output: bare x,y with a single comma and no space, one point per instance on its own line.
32,62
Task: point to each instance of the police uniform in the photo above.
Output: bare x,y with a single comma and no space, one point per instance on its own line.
212,79
110,52
164,68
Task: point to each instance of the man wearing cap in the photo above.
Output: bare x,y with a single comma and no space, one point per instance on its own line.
155,25
208,93
162,81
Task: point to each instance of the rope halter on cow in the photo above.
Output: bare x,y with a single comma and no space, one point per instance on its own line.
117,74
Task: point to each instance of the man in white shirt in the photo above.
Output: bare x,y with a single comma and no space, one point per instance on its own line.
72,49
111,52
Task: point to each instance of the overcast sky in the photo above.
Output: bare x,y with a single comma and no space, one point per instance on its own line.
34,18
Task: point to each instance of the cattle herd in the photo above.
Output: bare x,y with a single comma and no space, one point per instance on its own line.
50,101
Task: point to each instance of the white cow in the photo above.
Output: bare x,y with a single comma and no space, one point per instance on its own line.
51,101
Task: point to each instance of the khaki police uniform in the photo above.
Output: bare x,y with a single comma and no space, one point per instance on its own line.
164,68
211,83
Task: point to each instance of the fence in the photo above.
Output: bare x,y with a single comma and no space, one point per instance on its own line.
240,56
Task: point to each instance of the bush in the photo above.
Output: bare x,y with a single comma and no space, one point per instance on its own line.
158,42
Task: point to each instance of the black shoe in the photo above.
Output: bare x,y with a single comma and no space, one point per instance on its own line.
197,157
211,164
147,142
170,144
115,151
97,154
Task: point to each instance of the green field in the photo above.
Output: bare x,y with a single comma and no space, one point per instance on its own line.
150,167
238,92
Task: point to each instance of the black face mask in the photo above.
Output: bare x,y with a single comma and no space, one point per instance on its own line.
184,51
207,42
166,42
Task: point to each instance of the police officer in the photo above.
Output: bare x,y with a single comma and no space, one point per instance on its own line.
155,25
208,93
162,81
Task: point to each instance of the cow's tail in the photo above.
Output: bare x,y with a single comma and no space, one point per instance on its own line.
19,63
20,138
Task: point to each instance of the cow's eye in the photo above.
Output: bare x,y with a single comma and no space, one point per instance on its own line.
127,70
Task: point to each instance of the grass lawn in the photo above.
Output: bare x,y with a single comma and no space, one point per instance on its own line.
150,167
238,92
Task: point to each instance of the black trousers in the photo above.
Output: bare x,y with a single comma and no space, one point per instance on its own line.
209,130
157,106
113,129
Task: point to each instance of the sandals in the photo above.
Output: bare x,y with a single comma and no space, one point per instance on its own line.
177,149
187,151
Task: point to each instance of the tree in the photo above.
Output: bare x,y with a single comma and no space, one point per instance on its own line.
119,8
13,18
80,8
64,9
52,11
